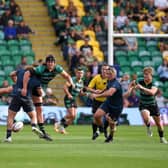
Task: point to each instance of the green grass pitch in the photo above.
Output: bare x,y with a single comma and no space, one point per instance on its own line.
131,148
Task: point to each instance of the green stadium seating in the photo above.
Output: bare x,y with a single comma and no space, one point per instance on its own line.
141,44
157,61
121,53
16,53
152,43
126,69
30,60
7,61
144,53
3,45
25,45
148,63
132,59
8,69
156,54
121,58
4,53
2,35
28,53
124,63
136,63
13,45
2,73
132,54
9,80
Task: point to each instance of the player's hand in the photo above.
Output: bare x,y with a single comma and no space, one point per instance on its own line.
92,96
138,86
98,91
70,97
23,92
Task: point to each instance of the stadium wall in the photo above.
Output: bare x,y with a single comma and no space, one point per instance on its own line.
56,113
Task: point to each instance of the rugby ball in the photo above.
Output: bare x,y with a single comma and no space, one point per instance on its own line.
17,126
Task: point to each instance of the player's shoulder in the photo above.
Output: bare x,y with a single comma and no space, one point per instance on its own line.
98,77
59,68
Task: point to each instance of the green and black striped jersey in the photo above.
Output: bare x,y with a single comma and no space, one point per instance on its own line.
45,75
146,99
78,86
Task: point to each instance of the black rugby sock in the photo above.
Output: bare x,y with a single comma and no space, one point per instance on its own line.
63,123
94,127
8,133
41,127
160,133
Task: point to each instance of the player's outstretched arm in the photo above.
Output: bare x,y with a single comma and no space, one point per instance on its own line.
25,82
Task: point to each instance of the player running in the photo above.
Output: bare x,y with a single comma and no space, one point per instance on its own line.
148,105
25,102
70,100
112,106
45,73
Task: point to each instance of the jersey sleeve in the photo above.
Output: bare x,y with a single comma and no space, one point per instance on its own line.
39,70
59,68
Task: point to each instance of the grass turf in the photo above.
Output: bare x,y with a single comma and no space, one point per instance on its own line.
131,149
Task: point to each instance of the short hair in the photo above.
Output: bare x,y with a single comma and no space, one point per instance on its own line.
149,70
113,70
50,58
79,68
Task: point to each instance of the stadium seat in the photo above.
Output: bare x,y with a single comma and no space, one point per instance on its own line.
148,63
144,53
8,69
141,44
7,61
30,60
157,61
132,59
136,64
156,54
152,43
126,69
3,45
124,63
25,45
2,78
13,45
4,53
132,54
28,53
10,81
16,53
121,53
121,59
2,35
2,73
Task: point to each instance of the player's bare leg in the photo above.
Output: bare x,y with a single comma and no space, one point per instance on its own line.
146,117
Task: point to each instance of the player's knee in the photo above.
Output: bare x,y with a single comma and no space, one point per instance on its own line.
145,112
38,104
